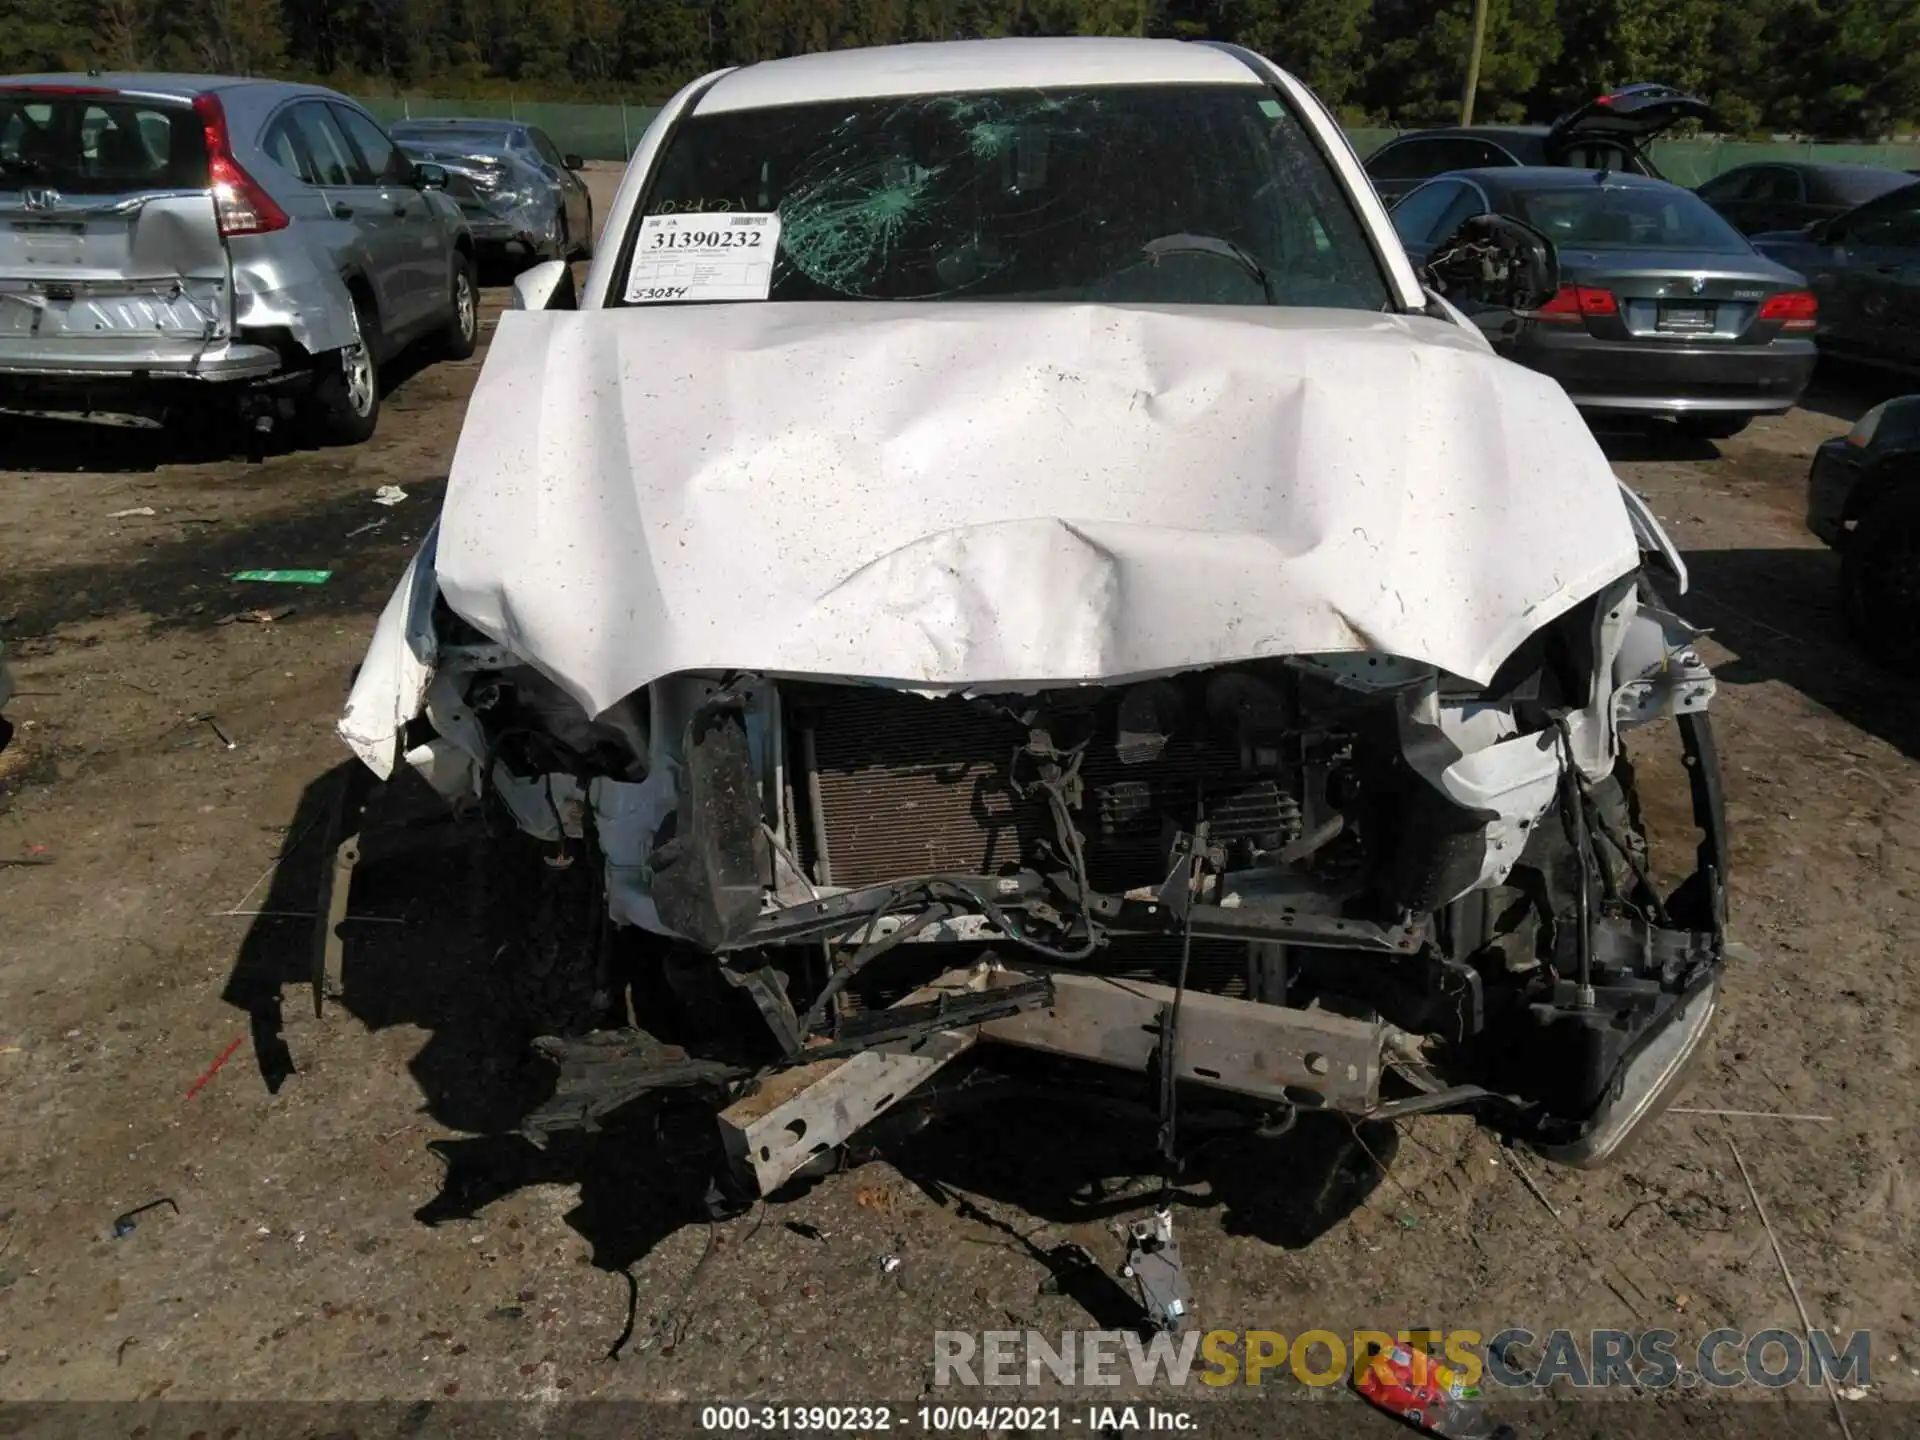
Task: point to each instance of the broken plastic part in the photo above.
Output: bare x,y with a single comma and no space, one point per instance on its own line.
1159,1277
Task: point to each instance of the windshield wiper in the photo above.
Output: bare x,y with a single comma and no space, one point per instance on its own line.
1184,244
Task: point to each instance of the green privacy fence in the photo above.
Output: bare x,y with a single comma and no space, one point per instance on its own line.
1688,162
609,132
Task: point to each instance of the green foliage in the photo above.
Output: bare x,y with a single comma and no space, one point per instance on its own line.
1835,68
1420,59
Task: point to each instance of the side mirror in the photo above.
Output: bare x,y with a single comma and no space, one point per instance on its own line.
429,176
573,162
546,286
1496,262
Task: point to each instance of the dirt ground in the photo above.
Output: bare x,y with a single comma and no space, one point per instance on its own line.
354,1220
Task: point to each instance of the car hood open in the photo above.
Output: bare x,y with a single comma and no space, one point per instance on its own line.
1011,496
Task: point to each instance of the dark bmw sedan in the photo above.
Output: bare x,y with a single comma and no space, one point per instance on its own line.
1664,310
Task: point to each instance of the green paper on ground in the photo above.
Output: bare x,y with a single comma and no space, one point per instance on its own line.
287,577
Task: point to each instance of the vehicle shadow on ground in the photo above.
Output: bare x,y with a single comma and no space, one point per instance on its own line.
432,973
1779,612
1625,441
184,581
1846,391
1069,1159
206,434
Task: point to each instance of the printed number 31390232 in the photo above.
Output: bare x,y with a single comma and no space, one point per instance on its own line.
698,258
707,239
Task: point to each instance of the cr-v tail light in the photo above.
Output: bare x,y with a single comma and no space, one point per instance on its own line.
242,207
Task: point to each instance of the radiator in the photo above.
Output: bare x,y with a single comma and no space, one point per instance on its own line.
913,786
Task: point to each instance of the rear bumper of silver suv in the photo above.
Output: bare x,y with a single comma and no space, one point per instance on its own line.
136,358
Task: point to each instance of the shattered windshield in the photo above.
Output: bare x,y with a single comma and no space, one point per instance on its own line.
1166,194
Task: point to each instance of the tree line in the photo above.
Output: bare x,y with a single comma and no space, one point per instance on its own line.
1831,69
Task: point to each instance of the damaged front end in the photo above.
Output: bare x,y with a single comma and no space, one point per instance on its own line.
1343,880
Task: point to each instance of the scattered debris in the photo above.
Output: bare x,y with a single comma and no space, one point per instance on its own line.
1588,1255
371,525
389,495
125,1222
135,510
889,1264
256,617
1411,1385
1786,1273
1682,1300
1853,1392
1154,1266
1748,1114
265,874
214,1069
1409,1221
806,1231
871,1198
120,1353
206,718
285,577
1527,1180
1806,1322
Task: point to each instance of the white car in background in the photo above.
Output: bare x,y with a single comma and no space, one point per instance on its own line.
963,573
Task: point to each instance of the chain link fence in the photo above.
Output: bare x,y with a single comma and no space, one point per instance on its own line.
609,132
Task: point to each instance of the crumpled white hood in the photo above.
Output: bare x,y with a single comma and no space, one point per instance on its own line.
1016,495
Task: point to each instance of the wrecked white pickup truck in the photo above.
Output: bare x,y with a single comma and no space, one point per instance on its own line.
1200,657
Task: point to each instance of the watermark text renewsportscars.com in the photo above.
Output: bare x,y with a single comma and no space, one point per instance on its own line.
1513,1358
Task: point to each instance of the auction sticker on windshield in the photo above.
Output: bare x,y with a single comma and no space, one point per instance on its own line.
703,257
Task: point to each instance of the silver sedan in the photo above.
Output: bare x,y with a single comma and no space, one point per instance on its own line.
520,195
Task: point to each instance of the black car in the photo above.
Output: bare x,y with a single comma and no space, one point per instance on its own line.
1863,498
1664,310
1865,268
1788,195
1609,132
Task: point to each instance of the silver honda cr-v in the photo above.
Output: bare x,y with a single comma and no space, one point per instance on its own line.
168,238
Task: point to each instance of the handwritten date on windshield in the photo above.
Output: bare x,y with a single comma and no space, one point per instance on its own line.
706,239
